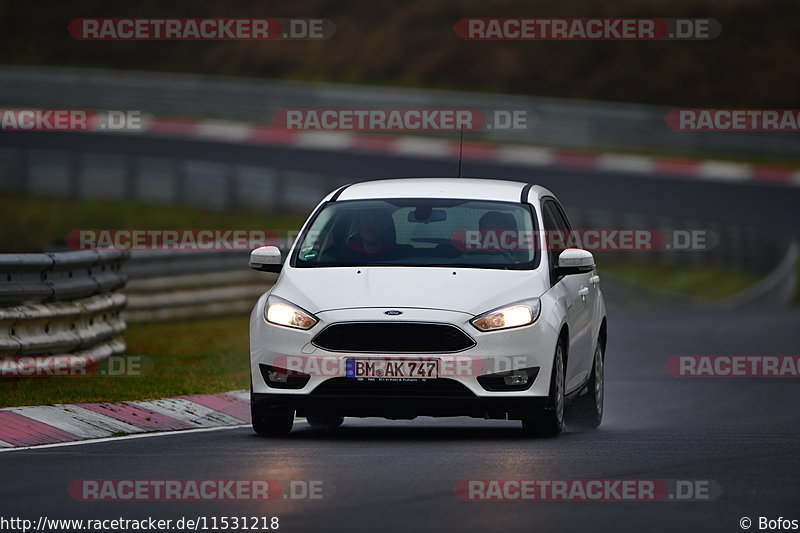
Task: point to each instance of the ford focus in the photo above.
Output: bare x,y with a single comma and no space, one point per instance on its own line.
430,297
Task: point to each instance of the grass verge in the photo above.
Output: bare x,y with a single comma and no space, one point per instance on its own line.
32,223
704,282
187,357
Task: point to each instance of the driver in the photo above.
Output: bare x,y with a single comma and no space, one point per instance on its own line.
375,234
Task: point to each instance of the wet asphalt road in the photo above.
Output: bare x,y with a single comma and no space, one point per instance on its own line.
743,434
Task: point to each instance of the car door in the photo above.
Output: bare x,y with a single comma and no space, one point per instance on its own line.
578,297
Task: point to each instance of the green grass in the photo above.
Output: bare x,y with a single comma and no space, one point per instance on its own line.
189,357
31,223
705,282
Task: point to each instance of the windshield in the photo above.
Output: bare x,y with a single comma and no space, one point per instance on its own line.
420,232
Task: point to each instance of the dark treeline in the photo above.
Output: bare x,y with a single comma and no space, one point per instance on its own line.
755,62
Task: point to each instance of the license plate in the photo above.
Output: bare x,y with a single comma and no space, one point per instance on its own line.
387,368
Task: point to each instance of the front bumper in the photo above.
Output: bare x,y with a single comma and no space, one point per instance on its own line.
504,350
401,406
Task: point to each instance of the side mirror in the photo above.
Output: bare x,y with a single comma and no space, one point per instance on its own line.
266,259
574,261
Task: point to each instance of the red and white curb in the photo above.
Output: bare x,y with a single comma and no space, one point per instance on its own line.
51,424
435,148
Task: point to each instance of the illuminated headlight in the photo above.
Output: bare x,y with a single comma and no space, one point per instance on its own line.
284,314
512,316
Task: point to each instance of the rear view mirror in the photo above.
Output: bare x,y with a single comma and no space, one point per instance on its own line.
425,215
574,261
266,259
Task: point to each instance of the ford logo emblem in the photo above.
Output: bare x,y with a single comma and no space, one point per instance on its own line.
393,312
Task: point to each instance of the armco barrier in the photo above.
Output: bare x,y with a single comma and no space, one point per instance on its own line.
776,289
577,124
71,302
60,303
90,325
59,276
191,284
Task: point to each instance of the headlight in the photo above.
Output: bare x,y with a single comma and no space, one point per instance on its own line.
512,316
284,314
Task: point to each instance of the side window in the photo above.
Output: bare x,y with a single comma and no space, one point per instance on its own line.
550,229
561,216
557,232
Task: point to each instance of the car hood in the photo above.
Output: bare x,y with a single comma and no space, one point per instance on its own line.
467,290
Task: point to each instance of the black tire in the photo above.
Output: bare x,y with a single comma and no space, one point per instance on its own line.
268,422
325,422
550,421
586,412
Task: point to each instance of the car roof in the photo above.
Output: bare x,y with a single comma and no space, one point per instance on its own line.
461,188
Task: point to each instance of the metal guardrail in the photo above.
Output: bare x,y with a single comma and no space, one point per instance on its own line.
59,276
770,257
91,326
61,303
145,264
735,246
191,296
578,124
188,285
776,289
174,180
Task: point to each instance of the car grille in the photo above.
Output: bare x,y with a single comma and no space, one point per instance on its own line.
393,337
442,388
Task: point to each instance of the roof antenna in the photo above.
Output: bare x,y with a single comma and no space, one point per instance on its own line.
460,150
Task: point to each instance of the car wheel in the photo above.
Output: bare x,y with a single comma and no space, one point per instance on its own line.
586,412
269,422
550,422
325,422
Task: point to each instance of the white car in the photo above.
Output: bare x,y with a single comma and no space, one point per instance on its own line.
430,297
